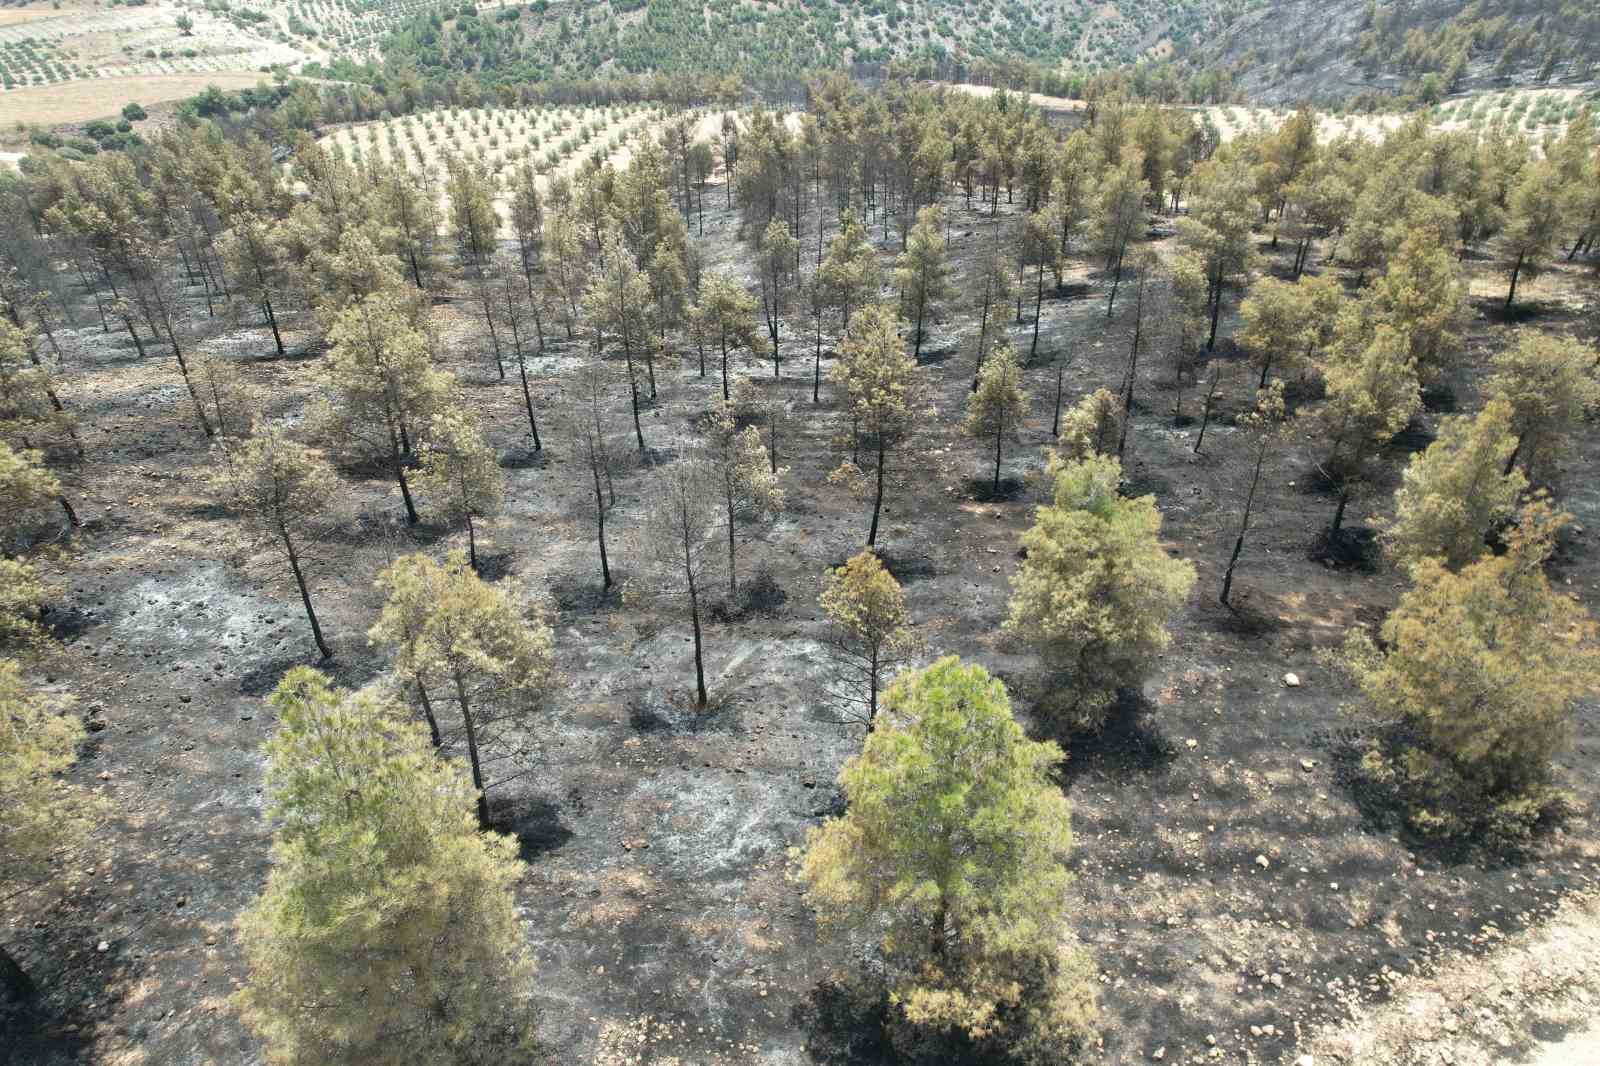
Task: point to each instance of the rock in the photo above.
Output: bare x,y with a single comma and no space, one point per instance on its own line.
1269,1030
1191,743
1305,1060
1255,1030
1211,1040
1275,980
1291,680
104,945
1308,765
1159,1053
1263,862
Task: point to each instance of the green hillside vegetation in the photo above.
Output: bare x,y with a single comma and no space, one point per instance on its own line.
773,43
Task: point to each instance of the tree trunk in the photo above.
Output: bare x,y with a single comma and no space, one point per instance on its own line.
472,544
1038,301
428,715
699,656
1206,408
399,464
600,523
877,503
472,751
527,401
305,594
1516,272
999,437
272,320
726,395
1338,514
733,568
1061,373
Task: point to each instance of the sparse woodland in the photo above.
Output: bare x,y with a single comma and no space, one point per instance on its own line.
899,580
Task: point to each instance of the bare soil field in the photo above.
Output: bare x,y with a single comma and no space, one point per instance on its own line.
1236,897
80,101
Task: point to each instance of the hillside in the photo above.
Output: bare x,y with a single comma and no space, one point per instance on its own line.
769,42
1285,51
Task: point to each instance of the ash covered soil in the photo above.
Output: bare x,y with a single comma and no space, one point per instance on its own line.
1226,882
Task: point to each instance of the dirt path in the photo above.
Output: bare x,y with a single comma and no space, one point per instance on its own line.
1535,1001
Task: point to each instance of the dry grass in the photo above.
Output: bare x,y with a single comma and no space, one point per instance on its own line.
80,101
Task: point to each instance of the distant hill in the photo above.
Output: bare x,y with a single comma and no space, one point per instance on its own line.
1326,51
772,40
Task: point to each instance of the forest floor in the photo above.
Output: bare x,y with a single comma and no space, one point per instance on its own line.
1236,898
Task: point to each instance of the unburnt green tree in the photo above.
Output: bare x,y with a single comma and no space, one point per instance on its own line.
727,315
450,632
460,471
385,387
1373,392
1533,222
997,408
1096,590
880,380
952,855
776,263
40,814
922,274
1549,383
869,631
1457,491
1483,667
387,932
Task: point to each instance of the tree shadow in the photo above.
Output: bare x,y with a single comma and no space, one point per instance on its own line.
535,821
982,489
843,1024
1129,743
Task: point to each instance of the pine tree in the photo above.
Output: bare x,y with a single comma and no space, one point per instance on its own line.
1276,326
727,314
617,305
881,382
1456,492
922,274
1118,217
997,408
1373,392
849,274
1422,295
991,291
674,545
283,491
449,630
952,855
1096,589
25,488
385,387
387,932
869,633
1090,427
40,815
1483,667
776,265
748,481
1548,382
461,471
1264,428
1533,221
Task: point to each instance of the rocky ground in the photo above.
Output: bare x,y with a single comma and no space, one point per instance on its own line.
1235,898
